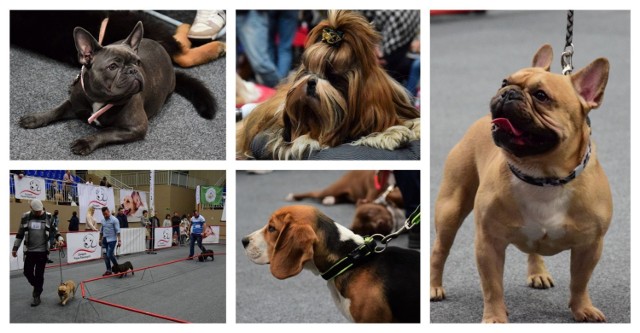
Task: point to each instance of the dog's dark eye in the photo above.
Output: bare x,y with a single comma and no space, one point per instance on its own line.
112,67
271,229
541,96
504,83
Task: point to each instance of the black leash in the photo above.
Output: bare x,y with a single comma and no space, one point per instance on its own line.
566,60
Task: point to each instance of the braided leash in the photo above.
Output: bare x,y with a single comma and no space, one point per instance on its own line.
566,59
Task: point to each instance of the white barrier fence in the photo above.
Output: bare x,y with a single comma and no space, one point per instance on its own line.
84,245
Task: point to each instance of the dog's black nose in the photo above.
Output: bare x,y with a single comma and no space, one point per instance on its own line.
311,87
131,70
245,241
511,94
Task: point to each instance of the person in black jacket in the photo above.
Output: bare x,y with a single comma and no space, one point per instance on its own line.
35,226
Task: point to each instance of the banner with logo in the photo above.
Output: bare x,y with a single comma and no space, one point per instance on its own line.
82,246
96,196
211,235
30,188
134,203
163,237
209,195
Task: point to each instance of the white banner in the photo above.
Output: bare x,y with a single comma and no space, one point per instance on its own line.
132,240
162,238
18,262
30,188
96,196
83,246
211,235
134,203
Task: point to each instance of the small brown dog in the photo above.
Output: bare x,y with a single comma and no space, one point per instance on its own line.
123,268
376,218
66,291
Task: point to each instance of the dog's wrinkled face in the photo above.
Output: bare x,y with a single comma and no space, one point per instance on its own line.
535,111
112,73
62,290
523,113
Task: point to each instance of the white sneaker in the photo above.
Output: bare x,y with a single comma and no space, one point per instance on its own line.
207,24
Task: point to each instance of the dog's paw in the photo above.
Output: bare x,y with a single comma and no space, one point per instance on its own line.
82,146
540,281
329,201
437,294
495,320
588,314
30,121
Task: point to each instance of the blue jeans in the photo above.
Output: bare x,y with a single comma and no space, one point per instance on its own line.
252,29
195,238
282,23
414,78
110,257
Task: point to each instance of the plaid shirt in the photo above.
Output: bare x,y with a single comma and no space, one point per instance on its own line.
397,27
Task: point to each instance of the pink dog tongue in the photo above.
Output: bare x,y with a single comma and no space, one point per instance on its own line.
505,124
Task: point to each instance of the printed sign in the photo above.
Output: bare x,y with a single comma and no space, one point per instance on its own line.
163,237
134,203
96,196
82,246
30,188
211,235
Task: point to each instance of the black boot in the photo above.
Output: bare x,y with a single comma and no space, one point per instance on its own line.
36,301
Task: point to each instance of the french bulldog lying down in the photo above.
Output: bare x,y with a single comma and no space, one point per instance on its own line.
119,88
530,173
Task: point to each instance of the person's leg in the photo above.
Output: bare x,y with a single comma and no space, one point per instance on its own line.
111,258
191,244
29,266
414,78
200,243
38,276
252,31
287,24
408,182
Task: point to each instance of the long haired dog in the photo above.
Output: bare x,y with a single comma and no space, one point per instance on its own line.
340,94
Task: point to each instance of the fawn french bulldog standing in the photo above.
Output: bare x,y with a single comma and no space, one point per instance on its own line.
530,173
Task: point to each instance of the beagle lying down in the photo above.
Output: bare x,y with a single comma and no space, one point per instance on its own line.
380,287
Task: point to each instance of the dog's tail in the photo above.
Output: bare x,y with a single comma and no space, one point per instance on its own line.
197,93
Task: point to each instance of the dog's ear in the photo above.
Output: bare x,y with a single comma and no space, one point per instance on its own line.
135,37
543,57
591,81
86,45
293,248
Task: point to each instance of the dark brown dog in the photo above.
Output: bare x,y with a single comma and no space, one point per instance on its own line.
123,268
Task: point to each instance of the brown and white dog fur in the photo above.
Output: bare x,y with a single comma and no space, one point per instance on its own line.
66,291
351,187
339,94
383,288
538,220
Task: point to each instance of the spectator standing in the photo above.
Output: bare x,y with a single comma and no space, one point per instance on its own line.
74,222
67,181
167,221
175,225
90,222
122,219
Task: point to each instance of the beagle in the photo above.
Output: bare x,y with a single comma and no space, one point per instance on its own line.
381,287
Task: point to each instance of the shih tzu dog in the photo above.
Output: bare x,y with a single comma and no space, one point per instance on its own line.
339,94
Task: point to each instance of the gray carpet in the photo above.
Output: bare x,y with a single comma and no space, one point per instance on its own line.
470,55
177,133
188,290
260,297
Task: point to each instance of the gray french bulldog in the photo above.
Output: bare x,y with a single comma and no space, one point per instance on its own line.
120,87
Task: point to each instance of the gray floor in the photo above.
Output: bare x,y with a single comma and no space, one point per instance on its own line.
188,290
470,55
260,297
177,133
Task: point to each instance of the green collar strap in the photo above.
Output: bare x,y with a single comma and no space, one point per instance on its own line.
351,260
